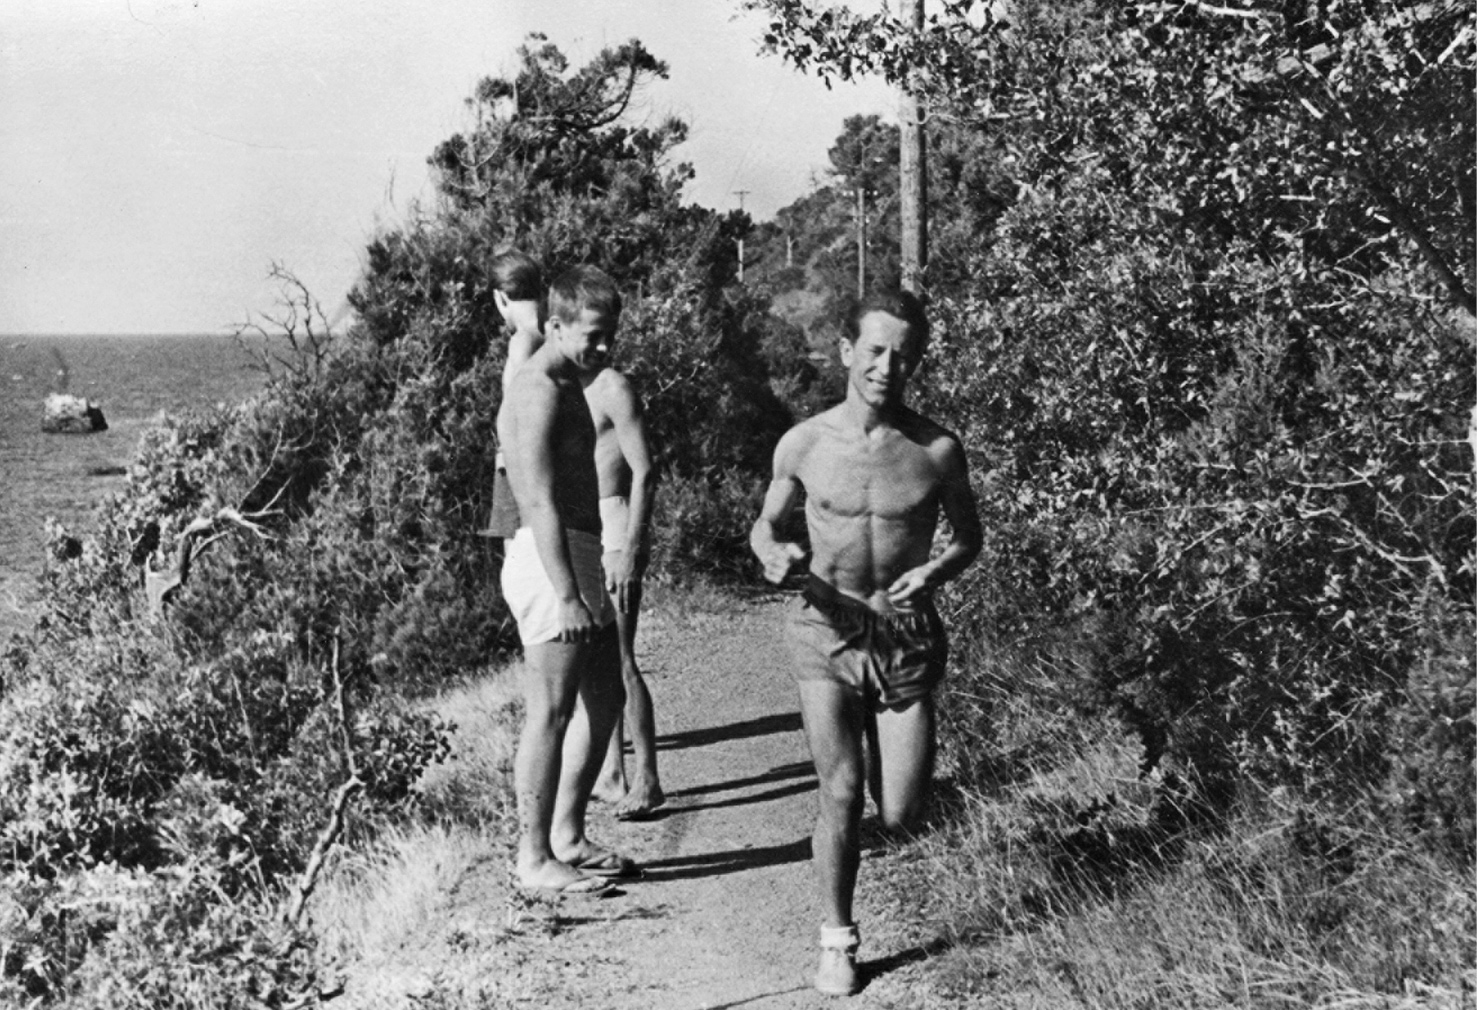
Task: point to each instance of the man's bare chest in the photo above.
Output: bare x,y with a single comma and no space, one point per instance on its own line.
896,480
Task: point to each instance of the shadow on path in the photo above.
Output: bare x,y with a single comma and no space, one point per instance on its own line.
755,999
715,864
780,722
793,789
779,774
871,971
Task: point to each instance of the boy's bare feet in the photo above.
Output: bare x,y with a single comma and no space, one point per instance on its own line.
595,860
642,799
556,877
610,787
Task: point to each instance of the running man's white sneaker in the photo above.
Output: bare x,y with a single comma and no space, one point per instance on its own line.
836,975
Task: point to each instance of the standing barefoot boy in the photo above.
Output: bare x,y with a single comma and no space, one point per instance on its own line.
553,584
627,489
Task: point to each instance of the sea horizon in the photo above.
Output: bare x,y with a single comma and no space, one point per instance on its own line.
109,334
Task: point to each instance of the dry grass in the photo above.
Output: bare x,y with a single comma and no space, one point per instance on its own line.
1052,886
376,902
387,913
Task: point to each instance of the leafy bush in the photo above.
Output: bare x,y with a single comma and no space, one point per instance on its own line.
702,525
328,567
1434,743
174,943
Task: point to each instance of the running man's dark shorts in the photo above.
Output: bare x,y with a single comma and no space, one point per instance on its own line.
889,658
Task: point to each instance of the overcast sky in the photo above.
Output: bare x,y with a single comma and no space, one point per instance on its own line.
156,156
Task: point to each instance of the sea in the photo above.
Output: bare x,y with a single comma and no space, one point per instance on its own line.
136,381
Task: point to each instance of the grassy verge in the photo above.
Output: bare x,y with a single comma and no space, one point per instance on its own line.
401,916
1053,881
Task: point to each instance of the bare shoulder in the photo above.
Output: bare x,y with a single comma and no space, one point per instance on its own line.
937,440
612,392
534,390
797,444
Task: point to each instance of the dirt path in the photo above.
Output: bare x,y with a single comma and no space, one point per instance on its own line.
725,916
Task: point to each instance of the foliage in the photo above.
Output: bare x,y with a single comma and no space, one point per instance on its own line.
812,244
1260,523
1435,743
178,769
179,752
1342,118
171,942
549,167
1200,349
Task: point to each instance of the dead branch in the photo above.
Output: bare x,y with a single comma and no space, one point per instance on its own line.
335,826
326,840
160,587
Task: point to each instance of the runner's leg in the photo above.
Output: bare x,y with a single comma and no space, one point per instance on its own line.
904,747
833,717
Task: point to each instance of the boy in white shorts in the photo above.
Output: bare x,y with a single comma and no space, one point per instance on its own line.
553,583
626,476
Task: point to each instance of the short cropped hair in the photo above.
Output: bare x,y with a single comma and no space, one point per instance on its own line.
581,288
897,303
516,275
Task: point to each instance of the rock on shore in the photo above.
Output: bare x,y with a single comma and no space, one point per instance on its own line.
72,415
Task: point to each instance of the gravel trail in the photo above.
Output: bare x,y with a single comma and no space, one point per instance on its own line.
725,915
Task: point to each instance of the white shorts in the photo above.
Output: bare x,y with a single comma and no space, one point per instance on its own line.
531,596
615,518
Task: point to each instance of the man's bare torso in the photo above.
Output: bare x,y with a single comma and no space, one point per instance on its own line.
872,500
576,488
611,468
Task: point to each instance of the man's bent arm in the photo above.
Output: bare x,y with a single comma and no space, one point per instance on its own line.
778,556
630,433
957,499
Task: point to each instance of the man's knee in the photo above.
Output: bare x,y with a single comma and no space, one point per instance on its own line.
545,716
841,791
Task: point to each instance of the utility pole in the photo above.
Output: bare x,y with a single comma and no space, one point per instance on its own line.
741,194
913,171
861,240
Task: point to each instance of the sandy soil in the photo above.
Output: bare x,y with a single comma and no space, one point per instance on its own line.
725,915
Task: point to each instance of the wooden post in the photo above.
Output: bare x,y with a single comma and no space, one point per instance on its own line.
913,171
741,194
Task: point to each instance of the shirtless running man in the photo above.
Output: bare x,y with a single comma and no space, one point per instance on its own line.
866,640
627,493
553,584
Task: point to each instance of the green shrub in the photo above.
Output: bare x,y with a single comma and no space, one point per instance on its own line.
174,943
1434,743
1256,504
702,526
